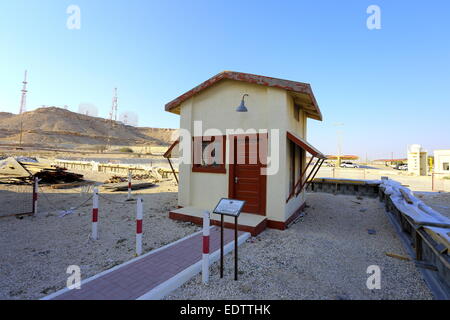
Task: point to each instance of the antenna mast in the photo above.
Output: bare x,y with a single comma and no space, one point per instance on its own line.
23,100
112,116
113,113
23,104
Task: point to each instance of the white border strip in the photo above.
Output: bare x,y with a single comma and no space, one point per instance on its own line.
57,293
176,281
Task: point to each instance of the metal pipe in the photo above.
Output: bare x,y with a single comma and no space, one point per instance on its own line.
221,245
205,256
235,248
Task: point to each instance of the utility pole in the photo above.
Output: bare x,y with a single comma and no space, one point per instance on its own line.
339,143
112,115
23,104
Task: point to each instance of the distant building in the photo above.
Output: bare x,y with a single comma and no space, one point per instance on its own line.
442,161
417,160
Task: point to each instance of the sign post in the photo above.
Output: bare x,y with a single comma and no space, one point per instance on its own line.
232,208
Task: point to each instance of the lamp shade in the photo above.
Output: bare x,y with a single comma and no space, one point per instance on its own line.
242,107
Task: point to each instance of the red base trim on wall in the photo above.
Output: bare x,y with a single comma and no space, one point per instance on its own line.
283,225
254,231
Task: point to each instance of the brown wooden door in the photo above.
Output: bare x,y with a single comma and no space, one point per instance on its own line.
246,181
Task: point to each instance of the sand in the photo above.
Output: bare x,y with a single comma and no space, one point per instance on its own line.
323,256
36,251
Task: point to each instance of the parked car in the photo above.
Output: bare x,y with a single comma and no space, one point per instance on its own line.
328,164
401,166
348,164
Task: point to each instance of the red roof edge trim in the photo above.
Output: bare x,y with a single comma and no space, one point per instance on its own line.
305,145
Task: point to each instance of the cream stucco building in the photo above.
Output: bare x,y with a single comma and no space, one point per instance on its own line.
417,160
442,161
264,163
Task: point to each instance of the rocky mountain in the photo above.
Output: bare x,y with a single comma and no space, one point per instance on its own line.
60,128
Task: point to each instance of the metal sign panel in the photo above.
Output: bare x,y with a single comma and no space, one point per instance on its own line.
229,207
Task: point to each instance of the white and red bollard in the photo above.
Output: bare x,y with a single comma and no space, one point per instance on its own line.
129,185
35,195
139,210
94,233
205,257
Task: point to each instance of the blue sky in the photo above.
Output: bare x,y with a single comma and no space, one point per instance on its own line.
390,87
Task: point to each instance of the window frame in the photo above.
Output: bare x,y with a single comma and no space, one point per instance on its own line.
292,166
296,165
445,165
220,168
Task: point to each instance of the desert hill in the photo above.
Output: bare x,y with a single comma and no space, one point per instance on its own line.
57,127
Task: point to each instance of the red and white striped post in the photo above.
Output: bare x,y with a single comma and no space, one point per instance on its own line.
94,234
139,210
35,195
129,185
205,257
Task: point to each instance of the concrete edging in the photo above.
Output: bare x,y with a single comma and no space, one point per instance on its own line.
176,281
59,292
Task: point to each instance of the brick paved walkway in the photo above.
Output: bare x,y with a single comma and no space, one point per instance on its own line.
134,279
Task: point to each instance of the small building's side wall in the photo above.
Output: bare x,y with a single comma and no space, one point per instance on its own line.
278,115
441,157
184,183
298,128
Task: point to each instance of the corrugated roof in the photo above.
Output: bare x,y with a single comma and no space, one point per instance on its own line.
298,90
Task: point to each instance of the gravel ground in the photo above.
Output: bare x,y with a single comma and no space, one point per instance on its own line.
36,251
324,255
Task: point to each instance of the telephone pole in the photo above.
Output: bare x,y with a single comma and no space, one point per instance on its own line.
339,143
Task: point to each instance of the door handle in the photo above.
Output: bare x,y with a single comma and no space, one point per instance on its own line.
236,179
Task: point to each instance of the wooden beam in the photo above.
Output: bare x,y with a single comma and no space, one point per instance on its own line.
310,180
298,181
173,170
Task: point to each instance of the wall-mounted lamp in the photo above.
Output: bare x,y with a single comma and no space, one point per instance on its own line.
242,107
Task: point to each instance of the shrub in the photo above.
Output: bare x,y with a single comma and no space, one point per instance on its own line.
125,149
